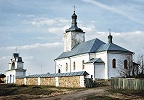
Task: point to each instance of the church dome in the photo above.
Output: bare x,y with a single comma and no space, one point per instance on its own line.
74,27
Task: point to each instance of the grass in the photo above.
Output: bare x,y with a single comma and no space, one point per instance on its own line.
127,92
95,97
12,89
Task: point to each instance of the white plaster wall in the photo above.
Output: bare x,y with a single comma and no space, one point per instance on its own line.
10,66
120,57
25,81
92,55
78,62
67,41
61,64
71,39
39,81
13,74
104,57
89,68
82,81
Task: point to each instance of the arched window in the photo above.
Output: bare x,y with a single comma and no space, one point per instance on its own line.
66,66
74,66
114,63
59,71
83,64
125,64
13,66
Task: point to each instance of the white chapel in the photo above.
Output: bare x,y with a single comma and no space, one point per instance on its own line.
96,57
15,68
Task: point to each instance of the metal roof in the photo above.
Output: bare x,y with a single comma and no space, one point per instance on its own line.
96,60
74,27
90,46
81,73
111,47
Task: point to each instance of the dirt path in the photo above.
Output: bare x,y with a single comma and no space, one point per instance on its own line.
78,95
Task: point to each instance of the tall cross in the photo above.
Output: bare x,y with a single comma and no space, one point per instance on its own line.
74,8
109,31
16,50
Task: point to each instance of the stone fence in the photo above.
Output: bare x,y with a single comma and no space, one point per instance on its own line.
127,83
73,79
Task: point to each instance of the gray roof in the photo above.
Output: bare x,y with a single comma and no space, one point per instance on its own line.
96,60
74,27
90,46
112,47
81,73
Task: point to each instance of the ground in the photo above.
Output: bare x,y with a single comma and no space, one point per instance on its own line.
13,92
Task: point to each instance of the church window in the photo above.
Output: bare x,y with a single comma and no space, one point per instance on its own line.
83,64
125,64
59,71
114,63
74,66
13,65
66,66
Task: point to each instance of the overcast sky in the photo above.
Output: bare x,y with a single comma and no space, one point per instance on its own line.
36,27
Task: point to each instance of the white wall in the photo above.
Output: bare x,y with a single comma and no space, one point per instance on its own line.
120,57
103,56
78,62
61,63
10,76
89,68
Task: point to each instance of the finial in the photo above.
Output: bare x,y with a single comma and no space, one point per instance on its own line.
16,49
74,8
110,37
109,31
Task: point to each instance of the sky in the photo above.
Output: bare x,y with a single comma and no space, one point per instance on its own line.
36,27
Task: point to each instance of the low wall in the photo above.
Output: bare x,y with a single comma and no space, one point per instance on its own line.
48,81
73,81
31,81
20,81
65,81
127,83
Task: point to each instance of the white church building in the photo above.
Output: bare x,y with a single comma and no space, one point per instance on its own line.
96,57
15,68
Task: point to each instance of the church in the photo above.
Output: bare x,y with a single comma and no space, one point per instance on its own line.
99,59
15,68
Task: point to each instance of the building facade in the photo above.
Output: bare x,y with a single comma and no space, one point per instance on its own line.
15,68
101,60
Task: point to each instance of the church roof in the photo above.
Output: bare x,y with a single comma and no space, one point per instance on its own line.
81,73
111,47
96,60
90,46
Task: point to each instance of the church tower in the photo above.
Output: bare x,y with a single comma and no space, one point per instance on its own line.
15,68
74,35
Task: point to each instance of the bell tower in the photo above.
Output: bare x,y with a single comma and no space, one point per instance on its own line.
73,35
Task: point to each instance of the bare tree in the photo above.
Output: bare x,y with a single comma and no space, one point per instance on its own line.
127,68
140,61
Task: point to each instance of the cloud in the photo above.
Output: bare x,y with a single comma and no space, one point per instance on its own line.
125,10
59,25
33,46
132,41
